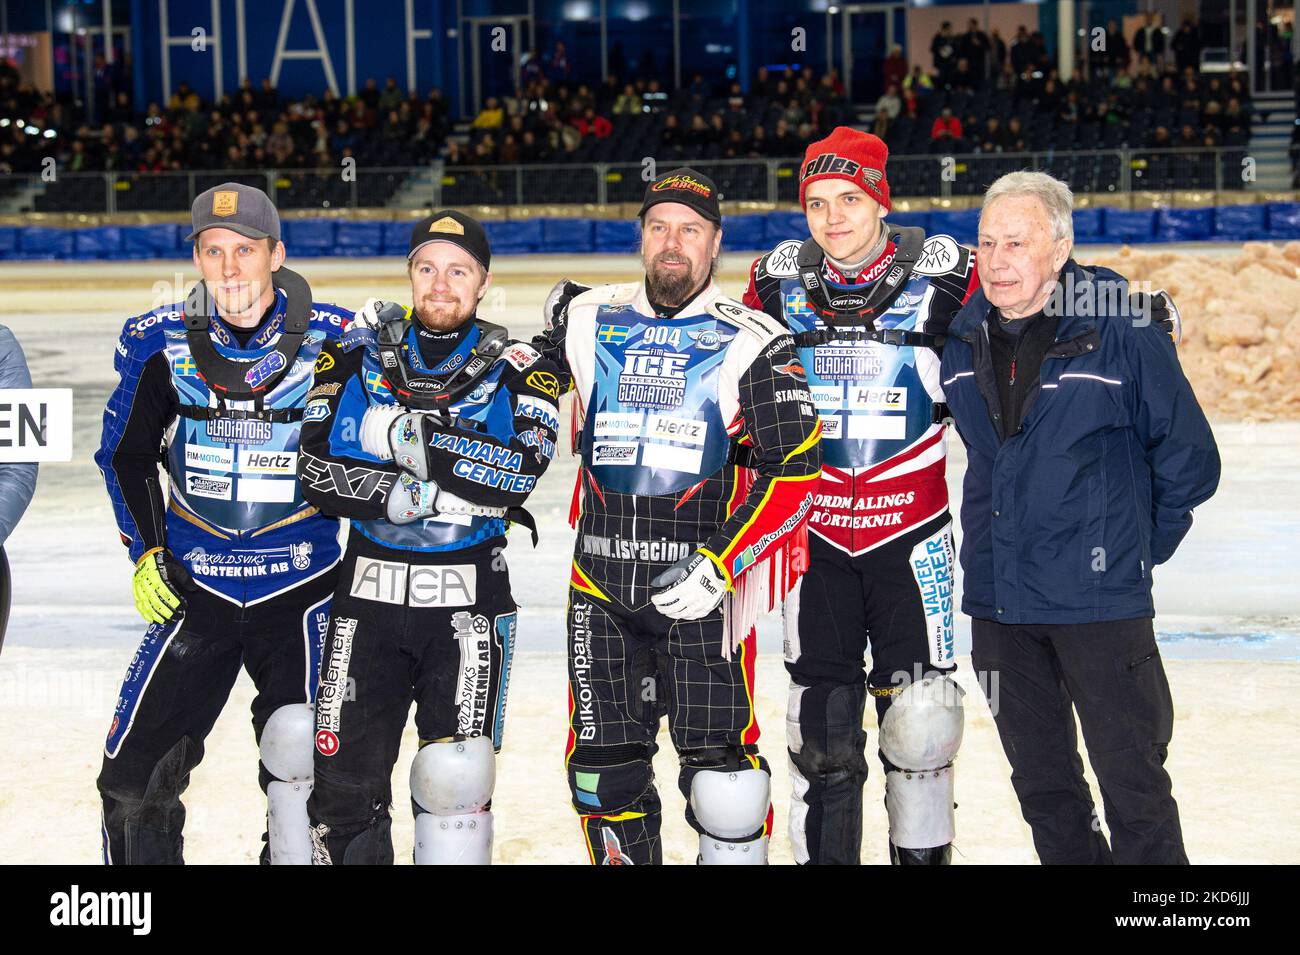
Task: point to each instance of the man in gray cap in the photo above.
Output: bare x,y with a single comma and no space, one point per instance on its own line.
232,566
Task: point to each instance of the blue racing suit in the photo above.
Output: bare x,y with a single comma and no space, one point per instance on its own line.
257,560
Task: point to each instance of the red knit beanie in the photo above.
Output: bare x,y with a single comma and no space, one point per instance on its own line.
847,154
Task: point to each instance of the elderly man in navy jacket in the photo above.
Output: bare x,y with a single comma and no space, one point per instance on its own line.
1087,452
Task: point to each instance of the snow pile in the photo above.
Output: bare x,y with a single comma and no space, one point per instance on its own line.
1241,323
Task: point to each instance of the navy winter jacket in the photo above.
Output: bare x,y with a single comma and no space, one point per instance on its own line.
1063,520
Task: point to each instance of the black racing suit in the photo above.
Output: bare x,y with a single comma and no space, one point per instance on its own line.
672,407
423,610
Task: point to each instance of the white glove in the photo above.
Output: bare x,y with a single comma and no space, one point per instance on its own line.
448,503
692,588
375,426
406,441
368,314
411,500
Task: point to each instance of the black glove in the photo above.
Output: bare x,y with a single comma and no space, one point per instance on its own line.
1160,307
556,310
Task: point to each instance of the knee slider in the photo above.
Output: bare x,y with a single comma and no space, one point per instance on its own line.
731,804
608,779
286,747
922,728
455,777
920,735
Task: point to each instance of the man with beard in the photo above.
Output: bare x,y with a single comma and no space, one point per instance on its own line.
700,455
232,567
428,429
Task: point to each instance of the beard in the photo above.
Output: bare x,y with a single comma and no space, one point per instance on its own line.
670,286
442,316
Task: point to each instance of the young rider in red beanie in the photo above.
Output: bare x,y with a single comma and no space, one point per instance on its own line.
869,305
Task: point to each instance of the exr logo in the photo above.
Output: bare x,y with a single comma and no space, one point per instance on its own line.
76,908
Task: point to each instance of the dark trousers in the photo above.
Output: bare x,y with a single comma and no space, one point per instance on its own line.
174,691
1036,676
436,628
841,607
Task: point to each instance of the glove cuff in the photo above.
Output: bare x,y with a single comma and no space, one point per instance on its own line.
727,580
375,425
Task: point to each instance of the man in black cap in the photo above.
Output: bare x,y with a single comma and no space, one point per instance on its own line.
700,454
428,429
232,566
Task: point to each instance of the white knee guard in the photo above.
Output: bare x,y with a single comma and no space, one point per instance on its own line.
452,782
730,807
287,752
920,734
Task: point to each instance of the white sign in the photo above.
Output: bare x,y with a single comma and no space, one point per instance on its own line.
35,424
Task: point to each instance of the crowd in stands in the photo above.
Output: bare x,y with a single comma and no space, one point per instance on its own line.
980,93
985,95
253,128
553,120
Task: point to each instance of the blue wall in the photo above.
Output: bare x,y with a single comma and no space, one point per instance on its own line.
1278,221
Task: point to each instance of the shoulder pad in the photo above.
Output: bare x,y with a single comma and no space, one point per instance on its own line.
607,295
329,318
759,324
357,336
942,255
145,331
783,261
519,355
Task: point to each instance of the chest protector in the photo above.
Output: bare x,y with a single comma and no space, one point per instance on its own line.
234,462
869,393
654,425
473,403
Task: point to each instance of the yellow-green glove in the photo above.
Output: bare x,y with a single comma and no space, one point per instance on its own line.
157,584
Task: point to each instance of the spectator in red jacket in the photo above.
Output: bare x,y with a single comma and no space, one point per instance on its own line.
946,126
592,124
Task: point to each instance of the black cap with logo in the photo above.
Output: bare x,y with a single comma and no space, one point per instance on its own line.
448,225
237,207
688,187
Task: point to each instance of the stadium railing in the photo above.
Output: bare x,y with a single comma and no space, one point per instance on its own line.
739,180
